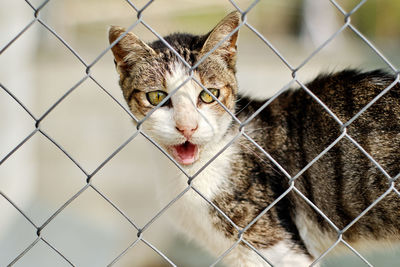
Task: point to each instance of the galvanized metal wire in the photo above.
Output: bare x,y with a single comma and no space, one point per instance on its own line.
37,130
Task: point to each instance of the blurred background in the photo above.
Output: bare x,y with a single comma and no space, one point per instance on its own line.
38,69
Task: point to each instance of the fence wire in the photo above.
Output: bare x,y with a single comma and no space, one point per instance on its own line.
37,130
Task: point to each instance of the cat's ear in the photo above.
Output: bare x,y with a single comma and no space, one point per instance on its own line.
227,50
129,49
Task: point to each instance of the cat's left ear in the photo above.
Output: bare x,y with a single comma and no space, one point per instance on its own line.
227,50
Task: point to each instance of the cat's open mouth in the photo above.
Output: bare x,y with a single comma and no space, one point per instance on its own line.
186,153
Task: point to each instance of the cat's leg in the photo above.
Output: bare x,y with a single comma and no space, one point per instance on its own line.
283,254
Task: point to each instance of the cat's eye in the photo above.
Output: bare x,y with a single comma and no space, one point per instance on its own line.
155,97
206,97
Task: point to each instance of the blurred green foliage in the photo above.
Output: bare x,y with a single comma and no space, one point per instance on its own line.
378,18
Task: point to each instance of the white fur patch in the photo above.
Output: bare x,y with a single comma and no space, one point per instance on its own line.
191,213
283,254
316,241
280,255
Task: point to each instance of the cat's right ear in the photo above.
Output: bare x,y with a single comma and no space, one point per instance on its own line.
129,49
226,50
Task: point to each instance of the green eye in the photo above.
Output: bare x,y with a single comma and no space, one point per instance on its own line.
206,97
155,97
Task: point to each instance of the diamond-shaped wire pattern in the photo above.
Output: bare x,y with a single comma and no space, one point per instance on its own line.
140,12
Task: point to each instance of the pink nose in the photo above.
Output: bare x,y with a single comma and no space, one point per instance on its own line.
187,131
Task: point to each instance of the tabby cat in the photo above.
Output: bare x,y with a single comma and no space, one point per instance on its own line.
192,126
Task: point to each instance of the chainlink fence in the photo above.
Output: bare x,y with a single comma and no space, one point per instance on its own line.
141,229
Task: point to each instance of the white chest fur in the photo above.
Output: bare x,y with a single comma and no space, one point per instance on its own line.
191,213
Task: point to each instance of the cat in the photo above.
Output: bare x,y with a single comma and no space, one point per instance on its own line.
192,125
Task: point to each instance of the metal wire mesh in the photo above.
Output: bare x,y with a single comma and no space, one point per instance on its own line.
140,229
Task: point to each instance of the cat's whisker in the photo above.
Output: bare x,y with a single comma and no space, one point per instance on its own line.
253,152
206,120
251,131
243,108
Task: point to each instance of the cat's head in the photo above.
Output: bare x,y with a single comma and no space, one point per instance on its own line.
190,121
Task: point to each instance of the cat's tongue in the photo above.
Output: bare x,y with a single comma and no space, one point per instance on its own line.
186,153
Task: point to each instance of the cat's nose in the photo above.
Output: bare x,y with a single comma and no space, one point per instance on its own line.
187,131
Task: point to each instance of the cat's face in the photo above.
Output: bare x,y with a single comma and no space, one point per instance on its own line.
190,121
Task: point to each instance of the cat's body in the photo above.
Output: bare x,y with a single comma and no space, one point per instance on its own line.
293,129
